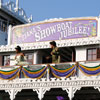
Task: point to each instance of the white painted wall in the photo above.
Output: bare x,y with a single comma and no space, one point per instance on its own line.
12,61
80,53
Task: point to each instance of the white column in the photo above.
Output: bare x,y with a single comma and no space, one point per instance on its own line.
40,95
9,34
41,92
71,95
1,2
36,57
17,5
12,96
71,91
98,27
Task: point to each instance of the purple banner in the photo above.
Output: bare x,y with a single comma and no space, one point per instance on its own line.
54,31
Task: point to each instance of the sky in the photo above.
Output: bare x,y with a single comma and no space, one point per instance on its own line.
47,9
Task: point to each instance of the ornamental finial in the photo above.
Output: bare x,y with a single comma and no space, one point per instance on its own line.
1,2
17,4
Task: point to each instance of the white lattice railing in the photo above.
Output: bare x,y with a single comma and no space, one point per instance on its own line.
71,84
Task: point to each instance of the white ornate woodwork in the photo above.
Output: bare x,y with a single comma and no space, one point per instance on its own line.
13,93
14,8
71,91
41,92
71,85
97,87
62,43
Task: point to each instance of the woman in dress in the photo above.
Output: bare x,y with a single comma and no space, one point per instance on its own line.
20,58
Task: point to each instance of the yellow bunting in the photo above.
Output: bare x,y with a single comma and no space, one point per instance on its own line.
34,72
90,69
65,76
12,77
62,71
88,74
35,78
8,73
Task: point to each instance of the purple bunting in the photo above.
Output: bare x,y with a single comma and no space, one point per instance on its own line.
60,74
8,76
90,72
34,75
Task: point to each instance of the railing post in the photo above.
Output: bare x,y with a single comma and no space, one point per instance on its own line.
11,93
12,96
17,5
48,72
76,69
20,72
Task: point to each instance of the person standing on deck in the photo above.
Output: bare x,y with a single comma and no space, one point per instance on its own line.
20,57
55,53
